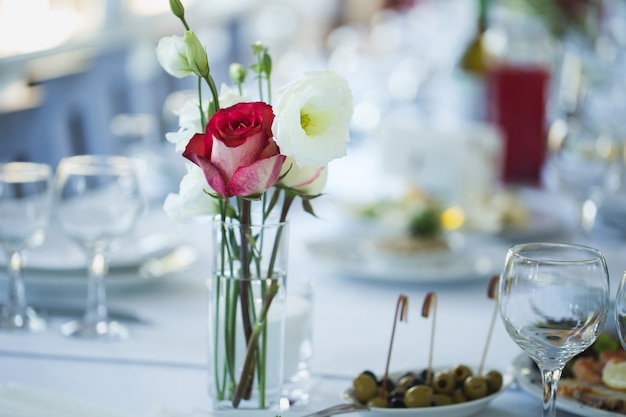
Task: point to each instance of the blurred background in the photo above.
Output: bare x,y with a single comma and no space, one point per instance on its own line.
493,86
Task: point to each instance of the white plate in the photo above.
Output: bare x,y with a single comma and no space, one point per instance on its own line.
526,376
455,410
59,253
479,258
542,225
152,270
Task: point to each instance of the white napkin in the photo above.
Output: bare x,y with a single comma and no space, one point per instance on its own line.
18,400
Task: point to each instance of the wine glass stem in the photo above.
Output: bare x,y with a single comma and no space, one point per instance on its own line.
96,310
550,378
16,300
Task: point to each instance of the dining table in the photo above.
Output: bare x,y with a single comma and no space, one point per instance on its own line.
162,368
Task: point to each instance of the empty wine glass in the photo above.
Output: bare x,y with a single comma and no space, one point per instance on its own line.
553,299
97,202
620,311
25,204
582,156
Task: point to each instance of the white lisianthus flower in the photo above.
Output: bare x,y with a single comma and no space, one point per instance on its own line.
191,200
312,118
306,180
230,96
189,123
172,55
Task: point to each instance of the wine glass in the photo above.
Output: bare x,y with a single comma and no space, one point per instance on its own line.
97,202
620,311
553,299
25,205
582,157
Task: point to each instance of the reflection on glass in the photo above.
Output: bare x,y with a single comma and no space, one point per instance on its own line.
97,202
553,300
25,205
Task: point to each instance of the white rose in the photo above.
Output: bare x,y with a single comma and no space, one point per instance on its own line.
307,180
312,118
191,200
172,55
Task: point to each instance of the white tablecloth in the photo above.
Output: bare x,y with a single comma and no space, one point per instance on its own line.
163,364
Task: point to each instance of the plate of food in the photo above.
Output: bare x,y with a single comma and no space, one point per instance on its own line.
473,256
585,395
453,391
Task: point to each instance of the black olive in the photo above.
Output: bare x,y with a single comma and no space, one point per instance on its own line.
397,403
371,374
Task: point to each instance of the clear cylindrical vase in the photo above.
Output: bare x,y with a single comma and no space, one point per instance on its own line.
246,314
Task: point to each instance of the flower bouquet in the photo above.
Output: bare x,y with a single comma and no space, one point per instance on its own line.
248,162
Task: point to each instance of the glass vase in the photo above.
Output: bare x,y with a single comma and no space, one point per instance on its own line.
246,314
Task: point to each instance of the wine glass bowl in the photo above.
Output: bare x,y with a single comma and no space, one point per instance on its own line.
553,300
97,202
620,311
582,157
25,205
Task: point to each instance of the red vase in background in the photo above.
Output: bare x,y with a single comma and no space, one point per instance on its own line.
516,103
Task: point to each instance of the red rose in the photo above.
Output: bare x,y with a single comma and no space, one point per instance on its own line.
237,153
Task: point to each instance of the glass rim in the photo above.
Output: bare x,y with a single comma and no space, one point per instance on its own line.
96,164
593,254
18,171
230,222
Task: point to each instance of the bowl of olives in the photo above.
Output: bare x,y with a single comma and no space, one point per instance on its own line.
454,391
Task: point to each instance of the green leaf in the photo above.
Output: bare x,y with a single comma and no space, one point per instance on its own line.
605,342
308,207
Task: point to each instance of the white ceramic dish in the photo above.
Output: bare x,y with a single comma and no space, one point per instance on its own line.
526,376
455,410
59,253
542,225
479,258
152,270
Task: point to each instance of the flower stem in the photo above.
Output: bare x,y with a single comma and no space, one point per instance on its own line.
247,372
202,115
216,97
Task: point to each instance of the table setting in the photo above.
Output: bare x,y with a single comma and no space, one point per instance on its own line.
308,267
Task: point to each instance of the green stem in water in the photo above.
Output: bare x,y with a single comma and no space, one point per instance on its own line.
247,372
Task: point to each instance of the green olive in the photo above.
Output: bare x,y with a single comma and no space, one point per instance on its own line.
378,401
494,381
458,396
461,373
405,381
365,387
400,389
418,396
442,399
444,383
475,387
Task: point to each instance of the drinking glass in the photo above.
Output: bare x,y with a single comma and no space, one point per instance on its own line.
25,205
553,299
620,311
97,202
582,158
